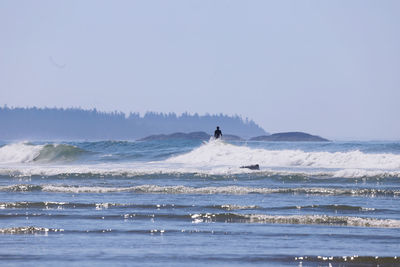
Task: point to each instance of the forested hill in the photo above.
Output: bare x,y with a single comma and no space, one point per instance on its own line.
78,124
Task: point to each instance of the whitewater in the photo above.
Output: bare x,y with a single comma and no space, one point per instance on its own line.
190,202
214,157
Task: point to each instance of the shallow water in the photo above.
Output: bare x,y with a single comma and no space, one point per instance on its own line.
188,202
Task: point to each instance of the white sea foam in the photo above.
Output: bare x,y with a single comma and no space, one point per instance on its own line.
19,152
230,190
153,168
237,207
324,219
212,158
23,230
180,189
28,230
218,153
297,219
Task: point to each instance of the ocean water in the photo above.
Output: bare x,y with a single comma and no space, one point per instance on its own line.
188,202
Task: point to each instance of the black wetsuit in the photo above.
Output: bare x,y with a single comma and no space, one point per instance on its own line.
217,133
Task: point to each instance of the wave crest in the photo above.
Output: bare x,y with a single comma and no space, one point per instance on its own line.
26,152
296,219
217,153
211,190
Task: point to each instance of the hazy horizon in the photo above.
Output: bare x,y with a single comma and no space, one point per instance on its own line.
326,68
210,130
78,124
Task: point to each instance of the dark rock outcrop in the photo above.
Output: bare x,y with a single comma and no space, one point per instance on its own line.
290,137
251,167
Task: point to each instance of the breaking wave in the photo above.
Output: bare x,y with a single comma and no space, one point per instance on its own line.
48,205
215,218
217,153
27,230
171,169
297,219
223,218
26,152
211,158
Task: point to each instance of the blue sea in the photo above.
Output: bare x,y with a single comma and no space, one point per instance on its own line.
188,203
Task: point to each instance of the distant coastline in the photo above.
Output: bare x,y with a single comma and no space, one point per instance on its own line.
79,124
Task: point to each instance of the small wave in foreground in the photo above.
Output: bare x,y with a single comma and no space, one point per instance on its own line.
210,190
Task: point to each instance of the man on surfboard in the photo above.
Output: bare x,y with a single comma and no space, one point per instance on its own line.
217,133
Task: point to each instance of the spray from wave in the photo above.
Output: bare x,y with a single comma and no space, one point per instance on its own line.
217,153
211,158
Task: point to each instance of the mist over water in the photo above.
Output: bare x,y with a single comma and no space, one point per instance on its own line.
315,203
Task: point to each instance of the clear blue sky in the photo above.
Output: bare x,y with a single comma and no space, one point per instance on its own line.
330,68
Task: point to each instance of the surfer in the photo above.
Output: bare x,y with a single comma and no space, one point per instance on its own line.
217,133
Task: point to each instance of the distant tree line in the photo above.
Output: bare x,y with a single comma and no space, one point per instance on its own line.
79,124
